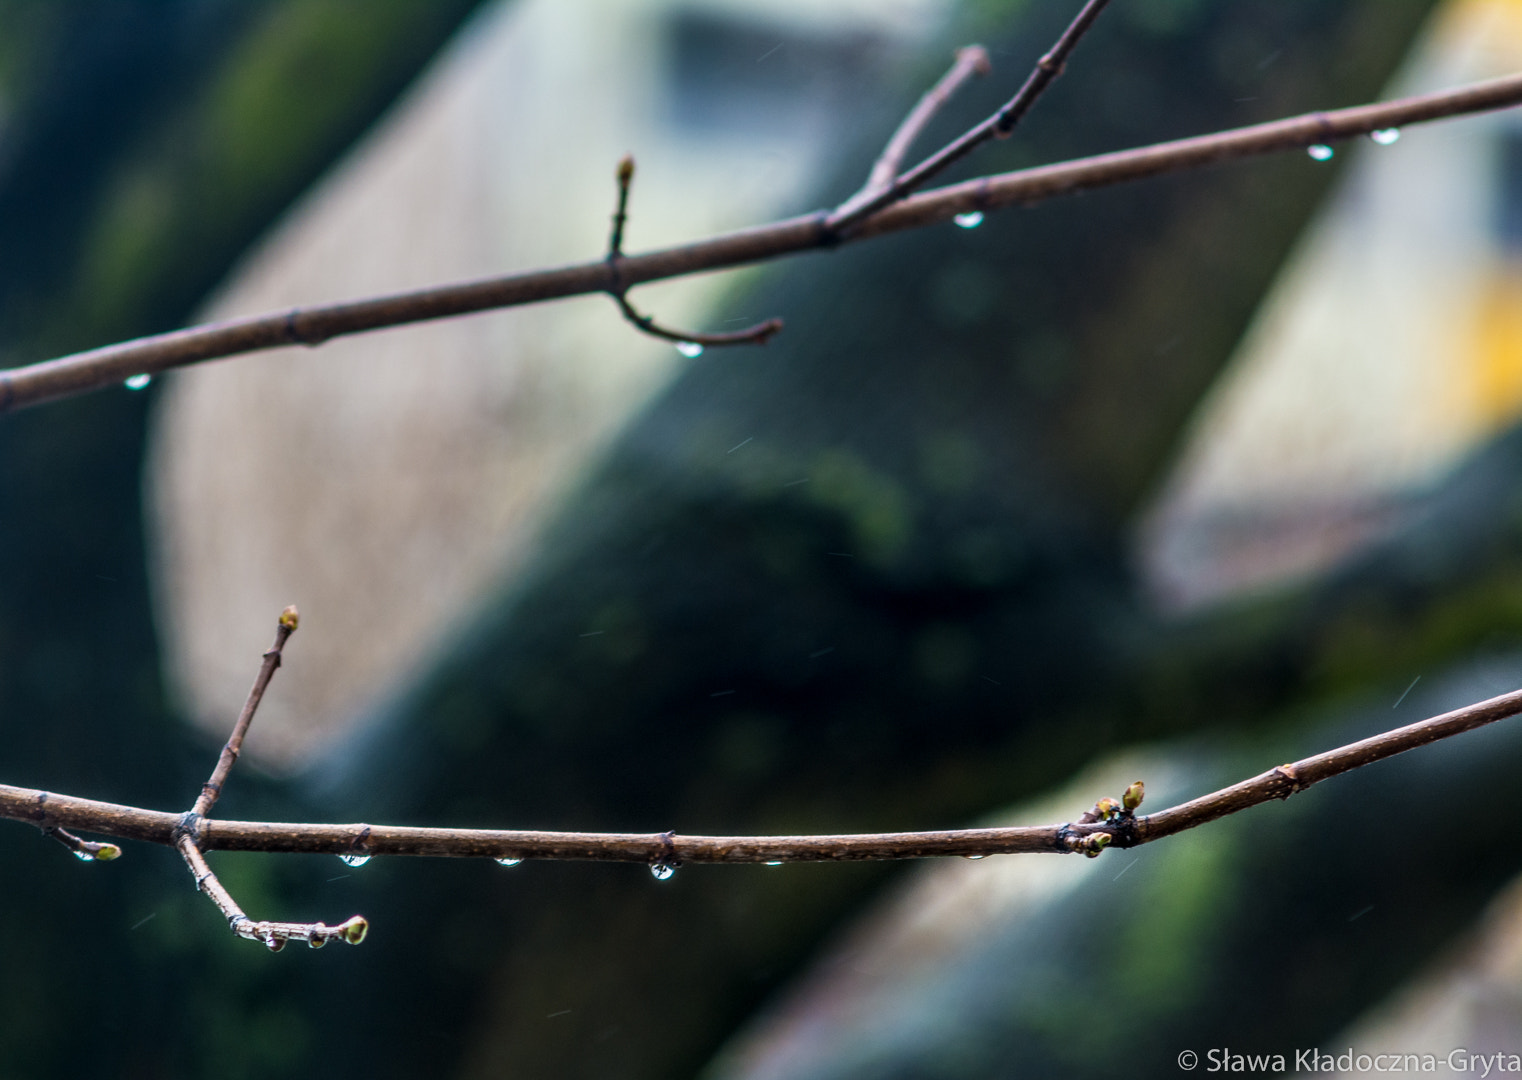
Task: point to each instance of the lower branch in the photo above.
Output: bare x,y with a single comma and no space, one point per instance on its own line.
1112,820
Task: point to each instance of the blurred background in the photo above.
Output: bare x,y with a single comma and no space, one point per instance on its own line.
1174,481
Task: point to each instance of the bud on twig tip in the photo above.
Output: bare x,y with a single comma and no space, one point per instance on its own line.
1133,796
355,929
626,169
289,617
107,852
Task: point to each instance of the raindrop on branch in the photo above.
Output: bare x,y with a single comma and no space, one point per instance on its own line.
84,856
507,862
1320,152
1385,136
354,860
137,382
661,871
969,220
689,349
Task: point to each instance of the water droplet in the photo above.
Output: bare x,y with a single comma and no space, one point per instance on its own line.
507,862
273,943
354,860
689,349
974,858
775,862
1385,136
661,871
83,856
1320,152
969,220
316,941
137,382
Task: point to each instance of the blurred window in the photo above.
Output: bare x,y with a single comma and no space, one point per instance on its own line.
736,75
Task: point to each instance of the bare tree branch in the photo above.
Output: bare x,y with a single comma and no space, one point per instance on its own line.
112,364
997,126
212,789
970,60
1111,823
690,343
188,833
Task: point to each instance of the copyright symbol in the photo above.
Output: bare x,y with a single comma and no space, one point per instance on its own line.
1188,1059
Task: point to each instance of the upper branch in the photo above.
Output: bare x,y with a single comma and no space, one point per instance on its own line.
110,365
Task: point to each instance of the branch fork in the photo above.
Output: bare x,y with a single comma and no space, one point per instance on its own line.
689,343
189,835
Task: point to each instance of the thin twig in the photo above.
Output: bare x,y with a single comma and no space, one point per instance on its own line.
79,373
970,60
997,126
693,340
212,789
1122,829
85,850
273,935
190,828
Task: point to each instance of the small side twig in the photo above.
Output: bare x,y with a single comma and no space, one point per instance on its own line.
997,126
212,789
690,343
970,60
273,935
85,850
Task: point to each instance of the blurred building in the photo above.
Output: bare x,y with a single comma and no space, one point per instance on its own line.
384,483
1390,347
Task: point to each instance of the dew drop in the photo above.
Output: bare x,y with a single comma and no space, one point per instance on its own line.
661,871
689,349
974,858
970,220
137,382
507,862
775,862
316,941
83,855
1385,136
354,860
273,943
1320,152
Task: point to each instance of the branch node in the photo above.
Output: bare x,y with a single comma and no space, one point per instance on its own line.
689,344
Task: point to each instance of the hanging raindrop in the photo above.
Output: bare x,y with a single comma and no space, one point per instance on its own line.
969,220
689,349
775,862
354,860
661,871
1320,152
137,382
507,862
83,856
1385,136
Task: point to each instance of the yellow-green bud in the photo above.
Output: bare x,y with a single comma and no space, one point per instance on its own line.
1096,843
626,169
355,929
107,852
289,618
1133,796
1107,807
